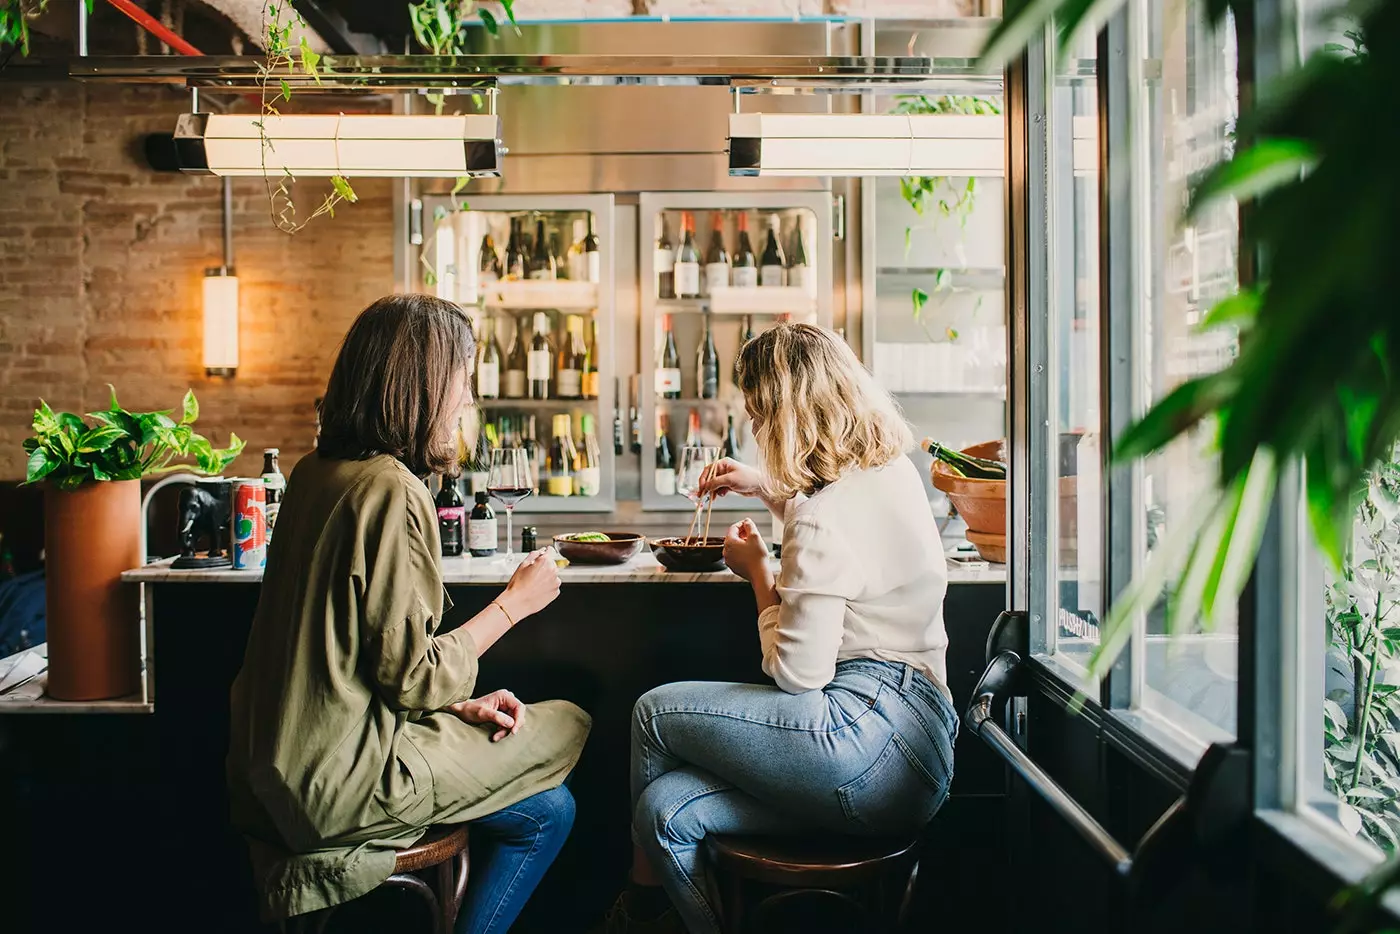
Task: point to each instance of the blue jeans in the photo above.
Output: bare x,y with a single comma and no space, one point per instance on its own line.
869,754
510,851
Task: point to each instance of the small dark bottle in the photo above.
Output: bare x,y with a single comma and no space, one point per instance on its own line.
451,515
528,536
481,528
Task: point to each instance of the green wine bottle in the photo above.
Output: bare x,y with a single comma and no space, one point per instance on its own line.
974,468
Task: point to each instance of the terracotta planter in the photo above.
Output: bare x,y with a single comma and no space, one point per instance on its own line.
91,535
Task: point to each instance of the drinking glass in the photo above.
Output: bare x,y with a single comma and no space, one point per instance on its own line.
694,460
509,482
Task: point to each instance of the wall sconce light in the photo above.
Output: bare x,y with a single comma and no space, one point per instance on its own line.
220,321
221,303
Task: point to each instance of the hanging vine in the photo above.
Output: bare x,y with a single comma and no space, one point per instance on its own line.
282,57
14,24
440,26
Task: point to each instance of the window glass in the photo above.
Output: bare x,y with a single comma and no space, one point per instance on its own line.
1074,490
1185,100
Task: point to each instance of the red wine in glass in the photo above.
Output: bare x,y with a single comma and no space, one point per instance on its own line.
509,496
509,482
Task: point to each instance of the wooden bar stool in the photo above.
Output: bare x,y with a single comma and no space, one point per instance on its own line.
851,883
441,848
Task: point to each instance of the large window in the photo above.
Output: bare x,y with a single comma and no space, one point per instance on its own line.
1185,98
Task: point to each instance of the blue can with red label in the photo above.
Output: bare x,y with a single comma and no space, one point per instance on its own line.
248,525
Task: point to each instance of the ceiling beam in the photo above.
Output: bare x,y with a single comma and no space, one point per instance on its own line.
331,27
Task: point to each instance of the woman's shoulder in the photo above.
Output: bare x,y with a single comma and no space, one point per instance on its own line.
365,486
897,480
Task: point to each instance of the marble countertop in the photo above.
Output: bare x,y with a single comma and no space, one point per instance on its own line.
24,683
642,569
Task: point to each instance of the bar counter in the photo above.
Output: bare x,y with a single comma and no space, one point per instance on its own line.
156,782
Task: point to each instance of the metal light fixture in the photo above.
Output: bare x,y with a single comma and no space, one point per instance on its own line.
221,303
353,145
866,144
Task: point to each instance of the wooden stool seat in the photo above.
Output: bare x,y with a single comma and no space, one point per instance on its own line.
438,845
869,878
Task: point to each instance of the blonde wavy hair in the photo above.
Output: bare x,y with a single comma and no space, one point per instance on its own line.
818,412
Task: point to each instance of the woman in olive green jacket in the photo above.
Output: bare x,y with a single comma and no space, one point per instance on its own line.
353,726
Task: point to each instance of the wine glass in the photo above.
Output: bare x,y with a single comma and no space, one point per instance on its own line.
509,482
694,461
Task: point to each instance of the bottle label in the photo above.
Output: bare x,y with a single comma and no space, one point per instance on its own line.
665,261
590,385
716,277
687,279
570,384
559,486
665,481
668,379
538,365
450,528
770,275
578,266
481,534
594,262
488,380
745,277
590,481
800,276
515,383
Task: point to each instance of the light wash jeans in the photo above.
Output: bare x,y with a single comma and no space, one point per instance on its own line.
871,753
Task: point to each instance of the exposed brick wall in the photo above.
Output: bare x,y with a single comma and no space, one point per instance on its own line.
100,268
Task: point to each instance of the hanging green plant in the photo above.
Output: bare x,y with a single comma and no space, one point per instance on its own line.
14,23
440,26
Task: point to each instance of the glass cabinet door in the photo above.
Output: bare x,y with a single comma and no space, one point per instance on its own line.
536,274
716,267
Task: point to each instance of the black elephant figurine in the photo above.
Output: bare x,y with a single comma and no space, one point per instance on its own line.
204,518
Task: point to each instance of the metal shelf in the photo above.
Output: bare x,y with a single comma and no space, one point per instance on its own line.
536,403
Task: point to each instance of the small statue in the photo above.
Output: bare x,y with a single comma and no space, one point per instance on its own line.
204,515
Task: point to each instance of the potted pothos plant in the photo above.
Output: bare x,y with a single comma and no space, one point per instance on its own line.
92,468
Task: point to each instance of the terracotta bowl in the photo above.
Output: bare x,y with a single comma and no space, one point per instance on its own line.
620,548
991,547
981,503
706,554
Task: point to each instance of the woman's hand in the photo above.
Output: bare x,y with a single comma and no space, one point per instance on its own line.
745,552
532,587
499,708
730,476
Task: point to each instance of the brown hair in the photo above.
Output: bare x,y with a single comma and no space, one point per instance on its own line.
390,386
820,414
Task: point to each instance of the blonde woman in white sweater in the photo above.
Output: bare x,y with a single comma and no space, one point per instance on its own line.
856,733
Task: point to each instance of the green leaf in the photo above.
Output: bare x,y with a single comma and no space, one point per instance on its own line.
920,297
310,60
1256,171
1238,310
342,187
462,180
45,421
39,466
286,89
99,474
99,439
190,407
112,406
1179,410
489,21
508,7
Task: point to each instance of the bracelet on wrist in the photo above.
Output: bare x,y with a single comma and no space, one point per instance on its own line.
501,606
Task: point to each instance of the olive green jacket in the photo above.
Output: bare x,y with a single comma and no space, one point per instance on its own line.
336,756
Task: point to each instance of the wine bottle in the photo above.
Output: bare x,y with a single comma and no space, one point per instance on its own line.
668,374
707,365
745,336
481,528
488,364
558,464
731,443
515,252
541,261
534,452
692,429
617,418
541,358
590,361
489,262
590,461
592,257
569,373
517,364
771,267
745,272
575,264
687,260
561,269
665,461
450,513
634,412
974,468
481,460
717,259
799,272
665,262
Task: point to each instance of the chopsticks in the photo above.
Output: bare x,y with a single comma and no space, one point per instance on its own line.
707,504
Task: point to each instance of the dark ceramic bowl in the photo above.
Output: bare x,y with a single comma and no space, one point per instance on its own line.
620,548
705,554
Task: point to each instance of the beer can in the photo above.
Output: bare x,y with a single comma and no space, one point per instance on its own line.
248,528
